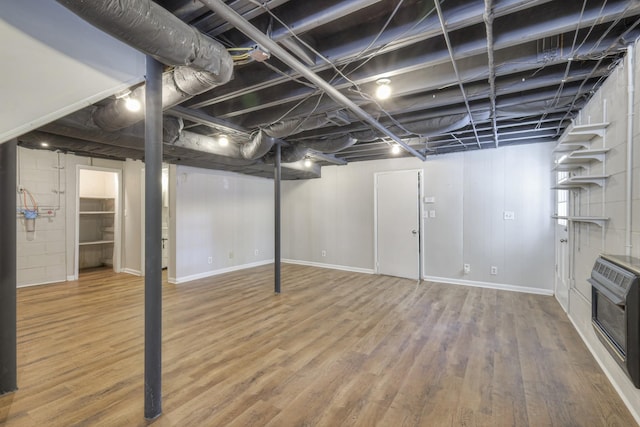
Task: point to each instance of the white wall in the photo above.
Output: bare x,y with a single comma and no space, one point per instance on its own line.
587,241
53,66
471,190
132,217
222,215
48,254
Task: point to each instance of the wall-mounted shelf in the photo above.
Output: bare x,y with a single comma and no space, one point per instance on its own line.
581,181
581,158
576,137
598,220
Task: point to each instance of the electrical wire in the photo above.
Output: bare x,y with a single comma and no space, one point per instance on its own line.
34,204
339,72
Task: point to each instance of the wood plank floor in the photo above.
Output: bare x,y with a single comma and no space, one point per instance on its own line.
334,349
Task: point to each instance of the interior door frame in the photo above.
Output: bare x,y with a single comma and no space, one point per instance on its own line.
117,221
143,189
420,208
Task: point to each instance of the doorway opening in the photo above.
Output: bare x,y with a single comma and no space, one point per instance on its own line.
98,218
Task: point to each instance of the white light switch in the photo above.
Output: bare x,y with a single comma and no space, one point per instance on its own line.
429,199
432,213
509,215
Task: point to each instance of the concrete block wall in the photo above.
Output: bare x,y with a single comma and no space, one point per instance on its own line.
586,240
41,254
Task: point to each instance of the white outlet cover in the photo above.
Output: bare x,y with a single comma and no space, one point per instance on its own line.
509,215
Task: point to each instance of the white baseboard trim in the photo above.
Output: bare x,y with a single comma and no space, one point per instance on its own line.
51,282
488,285
179,280
71,278
331,266
132,271
628,404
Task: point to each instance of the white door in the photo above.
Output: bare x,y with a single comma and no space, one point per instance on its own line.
562,264
398,223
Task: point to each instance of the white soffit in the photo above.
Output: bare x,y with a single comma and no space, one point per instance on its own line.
54,63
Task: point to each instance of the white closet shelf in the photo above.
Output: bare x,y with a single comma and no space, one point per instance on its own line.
96,242
98,197
96,212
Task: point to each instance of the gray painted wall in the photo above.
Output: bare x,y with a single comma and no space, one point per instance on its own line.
471,192
222,215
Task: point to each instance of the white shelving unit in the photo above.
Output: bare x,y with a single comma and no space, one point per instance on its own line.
96,231
576,155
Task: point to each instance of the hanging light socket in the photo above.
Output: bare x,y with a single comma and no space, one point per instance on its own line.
223,140
383,91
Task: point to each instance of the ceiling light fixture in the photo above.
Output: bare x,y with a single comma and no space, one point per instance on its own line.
383,90
307,163
395,149
44,144
223,140
132,104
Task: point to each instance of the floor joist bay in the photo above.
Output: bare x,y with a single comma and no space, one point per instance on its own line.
334,349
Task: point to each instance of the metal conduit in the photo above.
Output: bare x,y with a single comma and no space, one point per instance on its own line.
455,68
488,21
224,11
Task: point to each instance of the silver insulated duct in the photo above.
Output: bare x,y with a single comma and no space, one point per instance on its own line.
200,62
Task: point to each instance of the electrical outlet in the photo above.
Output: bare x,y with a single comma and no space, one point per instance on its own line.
324,253
467,268
230,254
509,215
210,260
256,252
494,270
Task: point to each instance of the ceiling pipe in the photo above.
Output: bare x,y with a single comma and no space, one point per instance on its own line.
455,67
220,8
201,62
488,22
396,38
148,27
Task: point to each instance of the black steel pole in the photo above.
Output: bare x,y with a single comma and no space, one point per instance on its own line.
276,180
8,274
152,242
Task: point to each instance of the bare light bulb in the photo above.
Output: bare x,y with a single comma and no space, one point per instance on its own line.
223,140
132,104
395,149
307,163
384,90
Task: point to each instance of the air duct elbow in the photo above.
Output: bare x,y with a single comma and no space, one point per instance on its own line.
259,145
148,27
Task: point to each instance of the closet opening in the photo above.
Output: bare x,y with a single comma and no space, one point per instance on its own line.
98,219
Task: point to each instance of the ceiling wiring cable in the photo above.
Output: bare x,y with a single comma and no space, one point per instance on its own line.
556,97
576,97
372,54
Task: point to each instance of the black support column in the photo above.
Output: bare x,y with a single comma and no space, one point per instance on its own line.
276,197
8,275
152,242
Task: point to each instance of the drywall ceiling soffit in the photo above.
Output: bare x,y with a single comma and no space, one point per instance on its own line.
548,59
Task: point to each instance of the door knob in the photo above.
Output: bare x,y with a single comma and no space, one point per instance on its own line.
414,232
563,240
